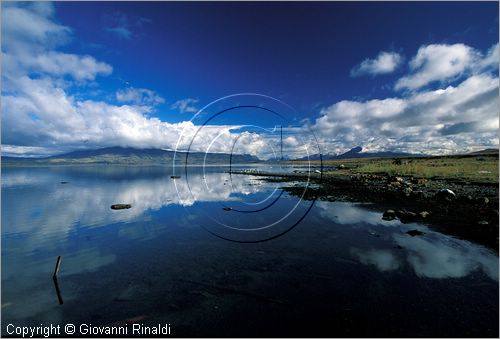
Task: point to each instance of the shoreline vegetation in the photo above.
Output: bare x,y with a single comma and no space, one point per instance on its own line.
455,194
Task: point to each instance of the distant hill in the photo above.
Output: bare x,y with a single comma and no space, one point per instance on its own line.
133,156
356,152
487,150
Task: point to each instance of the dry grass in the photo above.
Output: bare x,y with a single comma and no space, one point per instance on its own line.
479,168
468,169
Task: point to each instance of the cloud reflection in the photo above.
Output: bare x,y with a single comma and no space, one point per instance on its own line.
49,206
347,213
434,255
384,260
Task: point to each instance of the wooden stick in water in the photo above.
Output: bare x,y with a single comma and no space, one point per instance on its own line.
58,291
58,263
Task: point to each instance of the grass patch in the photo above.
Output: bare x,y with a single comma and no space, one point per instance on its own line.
467,169
478,168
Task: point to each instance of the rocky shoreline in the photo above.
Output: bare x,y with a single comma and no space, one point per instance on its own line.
468,210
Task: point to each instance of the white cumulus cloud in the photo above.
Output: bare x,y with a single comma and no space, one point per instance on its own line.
384,63
185,105
139,96
42,108
442,63
453,119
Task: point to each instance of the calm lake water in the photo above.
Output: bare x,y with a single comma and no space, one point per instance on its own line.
330,268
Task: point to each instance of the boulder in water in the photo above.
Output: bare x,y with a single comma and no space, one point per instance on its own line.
389,215
120,206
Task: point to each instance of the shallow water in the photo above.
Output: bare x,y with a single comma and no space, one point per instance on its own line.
177,257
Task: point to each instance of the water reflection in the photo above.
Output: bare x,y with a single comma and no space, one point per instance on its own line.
347,213
36,200
115,259
384,260
435,256
33,293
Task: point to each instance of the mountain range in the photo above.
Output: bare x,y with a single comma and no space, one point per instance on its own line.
133,156
356,152
153,156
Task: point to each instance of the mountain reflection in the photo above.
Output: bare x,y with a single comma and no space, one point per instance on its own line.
86,198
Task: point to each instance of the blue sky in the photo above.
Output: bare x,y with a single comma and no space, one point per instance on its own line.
403,76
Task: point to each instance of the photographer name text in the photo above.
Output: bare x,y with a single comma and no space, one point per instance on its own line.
87,329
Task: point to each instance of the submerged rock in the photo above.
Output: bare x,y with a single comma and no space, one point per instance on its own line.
414,233
120,206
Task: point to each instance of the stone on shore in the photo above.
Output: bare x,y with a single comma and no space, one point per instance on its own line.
407,191
423,214
395,184
446,195
406,216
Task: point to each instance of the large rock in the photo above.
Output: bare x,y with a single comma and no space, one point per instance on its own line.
389,215
446,195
